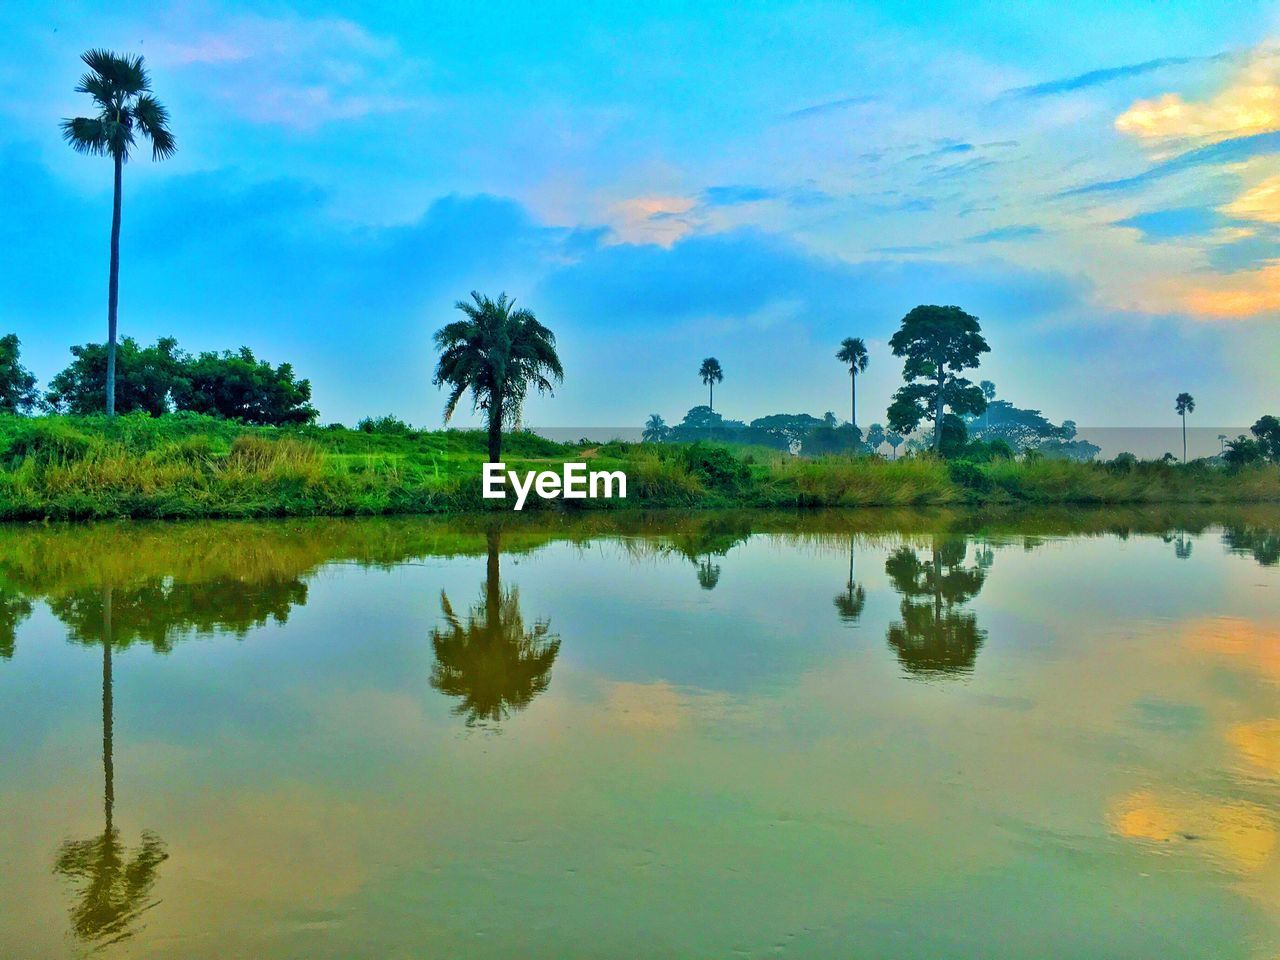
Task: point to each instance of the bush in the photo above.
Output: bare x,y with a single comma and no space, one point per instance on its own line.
49,441
968,475
388,424
716,467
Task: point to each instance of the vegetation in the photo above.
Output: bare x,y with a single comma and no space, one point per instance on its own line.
18,393
498,353
191,465
1184,404
121,93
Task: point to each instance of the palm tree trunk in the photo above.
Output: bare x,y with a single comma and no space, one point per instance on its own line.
113,289
853,398
937,410
1184,438
492,578
711,395
495,427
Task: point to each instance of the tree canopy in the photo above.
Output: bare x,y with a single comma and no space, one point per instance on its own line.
18,393
936,343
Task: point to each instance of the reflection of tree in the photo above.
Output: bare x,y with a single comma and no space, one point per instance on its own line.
14,608
111,885
935,636
708,540
1182,544
849,604
490,661
1263,543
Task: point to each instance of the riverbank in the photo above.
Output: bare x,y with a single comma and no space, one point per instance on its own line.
186,466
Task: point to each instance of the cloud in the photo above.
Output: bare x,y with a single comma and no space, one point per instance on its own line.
1250,104
1226,151
659,220
1093,78
947,149
292,71
733,195
1236,296
1022,231
1261,202
830,106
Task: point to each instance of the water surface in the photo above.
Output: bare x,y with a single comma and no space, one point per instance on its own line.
866,734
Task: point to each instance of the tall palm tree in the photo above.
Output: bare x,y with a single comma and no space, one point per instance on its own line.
121,92
711,374
853,351
850,603
498,353
1184,404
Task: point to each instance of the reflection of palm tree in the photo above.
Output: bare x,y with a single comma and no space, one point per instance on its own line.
708,573
705,541
490,661
935,636
112,887
850,603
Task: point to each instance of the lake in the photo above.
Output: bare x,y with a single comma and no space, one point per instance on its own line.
862,734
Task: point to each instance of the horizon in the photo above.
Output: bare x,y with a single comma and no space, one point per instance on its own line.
669,184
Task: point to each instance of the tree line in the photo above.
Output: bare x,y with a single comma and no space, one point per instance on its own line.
159,379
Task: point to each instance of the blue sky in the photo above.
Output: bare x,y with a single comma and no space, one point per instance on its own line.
667,181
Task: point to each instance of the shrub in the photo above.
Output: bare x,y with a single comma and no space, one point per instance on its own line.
969,475
716,467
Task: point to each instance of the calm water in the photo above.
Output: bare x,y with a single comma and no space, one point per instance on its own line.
859,735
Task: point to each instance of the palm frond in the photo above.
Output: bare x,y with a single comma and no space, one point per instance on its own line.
85,135
153,119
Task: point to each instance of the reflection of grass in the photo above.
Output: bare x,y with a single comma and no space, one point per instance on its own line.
190,466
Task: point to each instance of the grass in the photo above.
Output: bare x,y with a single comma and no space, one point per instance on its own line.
189,466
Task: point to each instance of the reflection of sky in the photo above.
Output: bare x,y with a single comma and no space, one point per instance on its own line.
1099,184
725,768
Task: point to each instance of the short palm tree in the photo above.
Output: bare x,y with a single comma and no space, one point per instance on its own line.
498,353
121,92
853,352
711,374
1184,404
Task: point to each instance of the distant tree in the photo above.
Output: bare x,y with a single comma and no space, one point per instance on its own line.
655,429
18,392
1267,433
1022,429
1184,404
711,374
988,393
498,353
853,353
875,436
894,439
937,343
239,386
1222,443
146,378
121,93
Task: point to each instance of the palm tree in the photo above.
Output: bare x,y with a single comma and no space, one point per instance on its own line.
711,374
655,429
894,439
853,352
497,353
988,394
1184,404
121,92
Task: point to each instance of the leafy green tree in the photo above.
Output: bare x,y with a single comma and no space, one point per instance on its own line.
853,353
121,92
490,661
711,374
1267,433
18,392
145,378
656,429
498,353
1184,404
239,386
937,343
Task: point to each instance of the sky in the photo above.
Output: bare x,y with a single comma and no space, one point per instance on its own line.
1099,183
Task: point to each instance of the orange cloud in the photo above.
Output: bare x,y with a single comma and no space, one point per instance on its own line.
1235,296
652,219
1261,202
1249,105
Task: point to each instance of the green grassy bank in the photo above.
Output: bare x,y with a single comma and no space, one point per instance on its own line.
193,466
